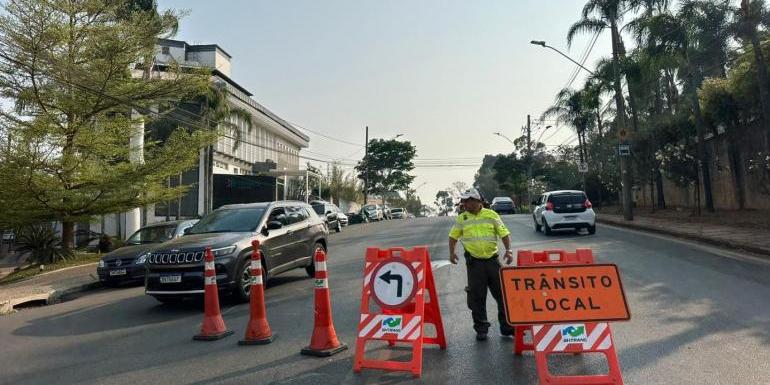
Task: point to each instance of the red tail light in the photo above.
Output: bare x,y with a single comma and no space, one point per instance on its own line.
587,204
549,206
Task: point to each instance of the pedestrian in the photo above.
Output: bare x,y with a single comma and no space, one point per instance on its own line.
479,228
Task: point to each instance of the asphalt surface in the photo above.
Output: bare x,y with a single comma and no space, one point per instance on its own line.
699,316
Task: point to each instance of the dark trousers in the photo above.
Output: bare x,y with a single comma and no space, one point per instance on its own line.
484,274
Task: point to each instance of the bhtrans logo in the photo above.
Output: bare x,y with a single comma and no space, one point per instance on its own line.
573,333
392,324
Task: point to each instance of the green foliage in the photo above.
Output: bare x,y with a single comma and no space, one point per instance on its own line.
70,68
387,165
42,243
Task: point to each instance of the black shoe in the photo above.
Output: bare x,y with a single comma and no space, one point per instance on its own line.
481,336
506,332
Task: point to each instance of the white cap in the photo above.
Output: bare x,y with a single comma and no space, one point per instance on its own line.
471,193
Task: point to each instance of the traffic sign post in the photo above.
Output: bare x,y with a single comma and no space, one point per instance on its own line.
401,283
624,149
560,298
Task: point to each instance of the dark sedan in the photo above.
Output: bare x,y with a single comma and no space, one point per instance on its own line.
127,264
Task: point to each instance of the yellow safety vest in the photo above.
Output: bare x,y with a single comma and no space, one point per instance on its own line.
479,232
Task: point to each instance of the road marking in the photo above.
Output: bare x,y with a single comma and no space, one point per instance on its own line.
439,264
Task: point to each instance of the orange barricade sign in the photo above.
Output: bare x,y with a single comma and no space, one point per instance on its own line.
551,294
400,283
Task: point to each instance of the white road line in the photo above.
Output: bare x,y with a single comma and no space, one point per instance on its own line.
435,265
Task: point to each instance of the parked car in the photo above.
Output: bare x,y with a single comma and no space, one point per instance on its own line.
358,217
329,213
503,205
344,221
289,233
565,209
398,213
126,264
8,236
372,213
386,212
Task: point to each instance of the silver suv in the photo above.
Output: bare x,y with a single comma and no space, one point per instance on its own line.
564,209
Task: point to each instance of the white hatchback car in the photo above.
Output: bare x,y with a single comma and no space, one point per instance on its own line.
564,209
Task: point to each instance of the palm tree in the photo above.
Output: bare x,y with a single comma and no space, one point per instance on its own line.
677,36
218,114
750,16
596,16
573,108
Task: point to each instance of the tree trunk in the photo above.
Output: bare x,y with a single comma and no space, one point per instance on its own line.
68,235
657,177
736,167
762,77
625,163
703,157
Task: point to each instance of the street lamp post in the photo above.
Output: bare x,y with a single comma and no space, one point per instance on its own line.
625,163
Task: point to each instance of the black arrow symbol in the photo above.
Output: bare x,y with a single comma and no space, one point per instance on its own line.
388,276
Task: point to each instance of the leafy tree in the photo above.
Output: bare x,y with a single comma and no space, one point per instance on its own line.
387,165
751,15
444,202
67,67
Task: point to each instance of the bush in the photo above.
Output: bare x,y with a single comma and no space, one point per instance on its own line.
42,242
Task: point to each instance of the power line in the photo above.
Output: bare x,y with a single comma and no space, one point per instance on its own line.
324,135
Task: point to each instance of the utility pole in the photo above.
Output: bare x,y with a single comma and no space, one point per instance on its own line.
366,171
529,163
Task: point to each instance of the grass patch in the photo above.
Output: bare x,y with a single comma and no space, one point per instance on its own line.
78,259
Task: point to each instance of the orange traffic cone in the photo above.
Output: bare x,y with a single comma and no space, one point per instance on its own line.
324,342
213,327
258,330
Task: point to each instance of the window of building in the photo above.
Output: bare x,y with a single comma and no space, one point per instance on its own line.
235,170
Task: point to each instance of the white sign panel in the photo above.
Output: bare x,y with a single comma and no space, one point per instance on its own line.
394,283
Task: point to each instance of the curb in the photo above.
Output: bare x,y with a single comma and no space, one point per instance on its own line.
715,242
50,297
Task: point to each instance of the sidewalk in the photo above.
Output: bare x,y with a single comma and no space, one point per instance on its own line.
751,240
48,287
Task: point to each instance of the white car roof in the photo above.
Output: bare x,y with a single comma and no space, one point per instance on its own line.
566,191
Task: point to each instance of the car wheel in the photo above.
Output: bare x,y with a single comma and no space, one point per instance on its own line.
169,300
592,229
547,229
242,289
537,227
310,269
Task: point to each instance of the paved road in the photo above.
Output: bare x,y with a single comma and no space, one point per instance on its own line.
700,316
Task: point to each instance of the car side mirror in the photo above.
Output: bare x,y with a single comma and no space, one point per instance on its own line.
264,231
274,225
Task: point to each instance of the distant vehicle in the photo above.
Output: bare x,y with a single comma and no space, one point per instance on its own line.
564,209
358,217
386,212
126,264
503,205
344,221
372,213
8,236
329,213
289,233
398,213
410,216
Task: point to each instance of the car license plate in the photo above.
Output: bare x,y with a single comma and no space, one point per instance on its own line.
570,217
117,272
176,278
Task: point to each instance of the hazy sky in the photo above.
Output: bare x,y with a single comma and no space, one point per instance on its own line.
446,74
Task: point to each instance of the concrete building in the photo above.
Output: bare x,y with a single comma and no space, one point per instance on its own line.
271,143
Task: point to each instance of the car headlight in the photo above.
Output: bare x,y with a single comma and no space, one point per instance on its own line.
142,259
223,251
102,265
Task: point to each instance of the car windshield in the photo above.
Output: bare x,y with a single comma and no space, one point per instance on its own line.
501,199
229,221
152,234
567,198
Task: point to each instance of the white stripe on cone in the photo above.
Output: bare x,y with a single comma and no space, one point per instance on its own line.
255,265
256,279
208,265
320,266
209,280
